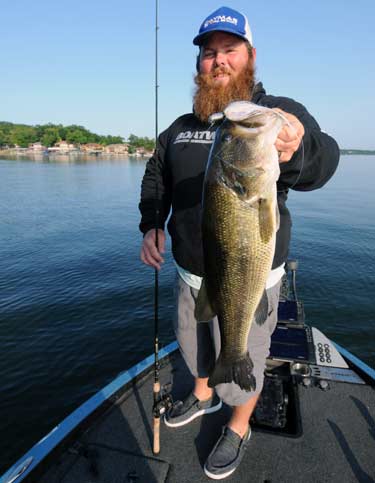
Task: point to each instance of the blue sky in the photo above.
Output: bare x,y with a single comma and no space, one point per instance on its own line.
92,63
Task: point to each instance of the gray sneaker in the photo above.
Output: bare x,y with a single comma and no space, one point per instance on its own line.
182,412
227,454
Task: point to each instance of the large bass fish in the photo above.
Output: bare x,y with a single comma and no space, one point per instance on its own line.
239,223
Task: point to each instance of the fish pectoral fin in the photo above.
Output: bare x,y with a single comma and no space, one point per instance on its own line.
203,311
267,219
261,312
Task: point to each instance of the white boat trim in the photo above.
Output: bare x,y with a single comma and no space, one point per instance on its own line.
41,449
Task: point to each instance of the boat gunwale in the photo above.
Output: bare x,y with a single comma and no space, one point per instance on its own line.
366,372
82,417
60,437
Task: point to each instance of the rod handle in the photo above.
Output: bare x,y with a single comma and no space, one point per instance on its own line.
156,444
156,447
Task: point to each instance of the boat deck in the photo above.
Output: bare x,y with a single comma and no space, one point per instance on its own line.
337,443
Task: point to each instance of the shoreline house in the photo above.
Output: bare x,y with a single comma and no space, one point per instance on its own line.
91,148
36,147
142,153
62,147
118,148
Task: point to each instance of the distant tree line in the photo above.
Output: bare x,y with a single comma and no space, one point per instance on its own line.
137,142
49,134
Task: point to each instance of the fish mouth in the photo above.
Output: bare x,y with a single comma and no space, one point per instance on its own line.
249,116
251,126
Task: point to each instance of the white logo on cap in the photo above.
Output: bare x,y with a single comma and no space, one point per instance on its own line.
220,18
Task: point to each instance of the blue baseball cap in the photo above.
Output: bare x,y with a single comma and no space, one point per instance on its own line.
225,19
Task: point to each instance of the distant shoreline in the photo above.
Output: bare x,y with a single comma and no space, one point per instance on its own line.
357,151
15,153
29,153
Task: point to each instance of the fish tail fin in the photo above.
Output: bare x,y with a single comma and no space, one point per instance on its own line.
240,372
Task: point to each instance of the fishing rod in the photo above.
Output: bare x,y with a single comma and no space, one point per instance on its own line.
162,399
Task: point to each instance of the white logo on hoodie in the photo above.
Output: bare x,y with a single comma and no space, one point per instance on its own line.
202,137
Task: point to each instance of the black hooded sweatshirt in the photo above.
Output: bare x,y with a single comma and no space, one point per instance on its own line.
179,167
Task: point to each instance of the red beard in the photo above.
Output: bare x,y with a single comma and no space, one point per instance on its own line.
210,97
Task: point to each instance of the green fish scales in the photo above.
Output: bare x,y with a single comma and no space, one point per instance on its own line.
239,224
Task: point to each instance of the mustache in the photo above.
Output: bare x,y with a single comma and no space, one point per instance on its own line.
220,70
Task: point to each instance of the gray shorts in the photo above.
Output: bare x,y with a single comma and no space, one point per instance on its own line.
200,342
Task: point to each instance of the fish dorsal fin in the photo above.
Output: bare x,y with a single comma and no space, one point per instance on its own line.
203,311
268,219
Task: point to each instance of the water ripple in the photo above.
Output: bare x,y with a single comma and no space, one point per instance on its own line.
76,304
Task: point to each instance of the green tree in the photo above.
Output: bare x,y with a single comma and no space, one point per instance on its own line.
62,131
112,140
3,139
5,133
138,142
23,136
76,136
50,136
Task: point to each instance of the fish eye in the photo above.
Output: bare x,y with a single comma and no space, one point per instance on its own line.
226,138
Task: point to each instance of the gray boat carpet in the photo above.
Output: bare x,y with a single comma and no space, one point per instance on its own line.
337,444
108,465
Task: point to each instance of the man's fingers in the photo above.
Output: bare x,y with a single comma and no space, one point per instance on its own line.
289,138
144,257
287,133
161,240
153,253
148,259
291,132
150,254
285,156
287,146
150,240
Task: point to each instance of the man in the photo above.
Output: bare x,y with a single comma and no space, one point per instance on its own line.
226,66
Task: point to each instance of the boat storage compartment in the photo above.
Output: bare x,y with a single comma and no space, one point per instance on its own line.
278,409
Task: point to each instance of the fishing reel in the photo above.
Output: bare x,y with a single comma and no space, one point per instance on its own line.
163,401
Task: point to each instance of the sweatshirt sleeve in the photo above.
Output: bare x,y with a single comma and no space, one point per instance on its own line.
316,159
155,192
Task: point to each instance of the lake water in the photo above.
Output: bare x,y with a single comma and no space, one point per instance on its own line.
76,304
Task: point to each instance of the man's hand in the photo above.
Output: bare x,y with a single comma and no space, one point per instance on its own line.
150,255
290,137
